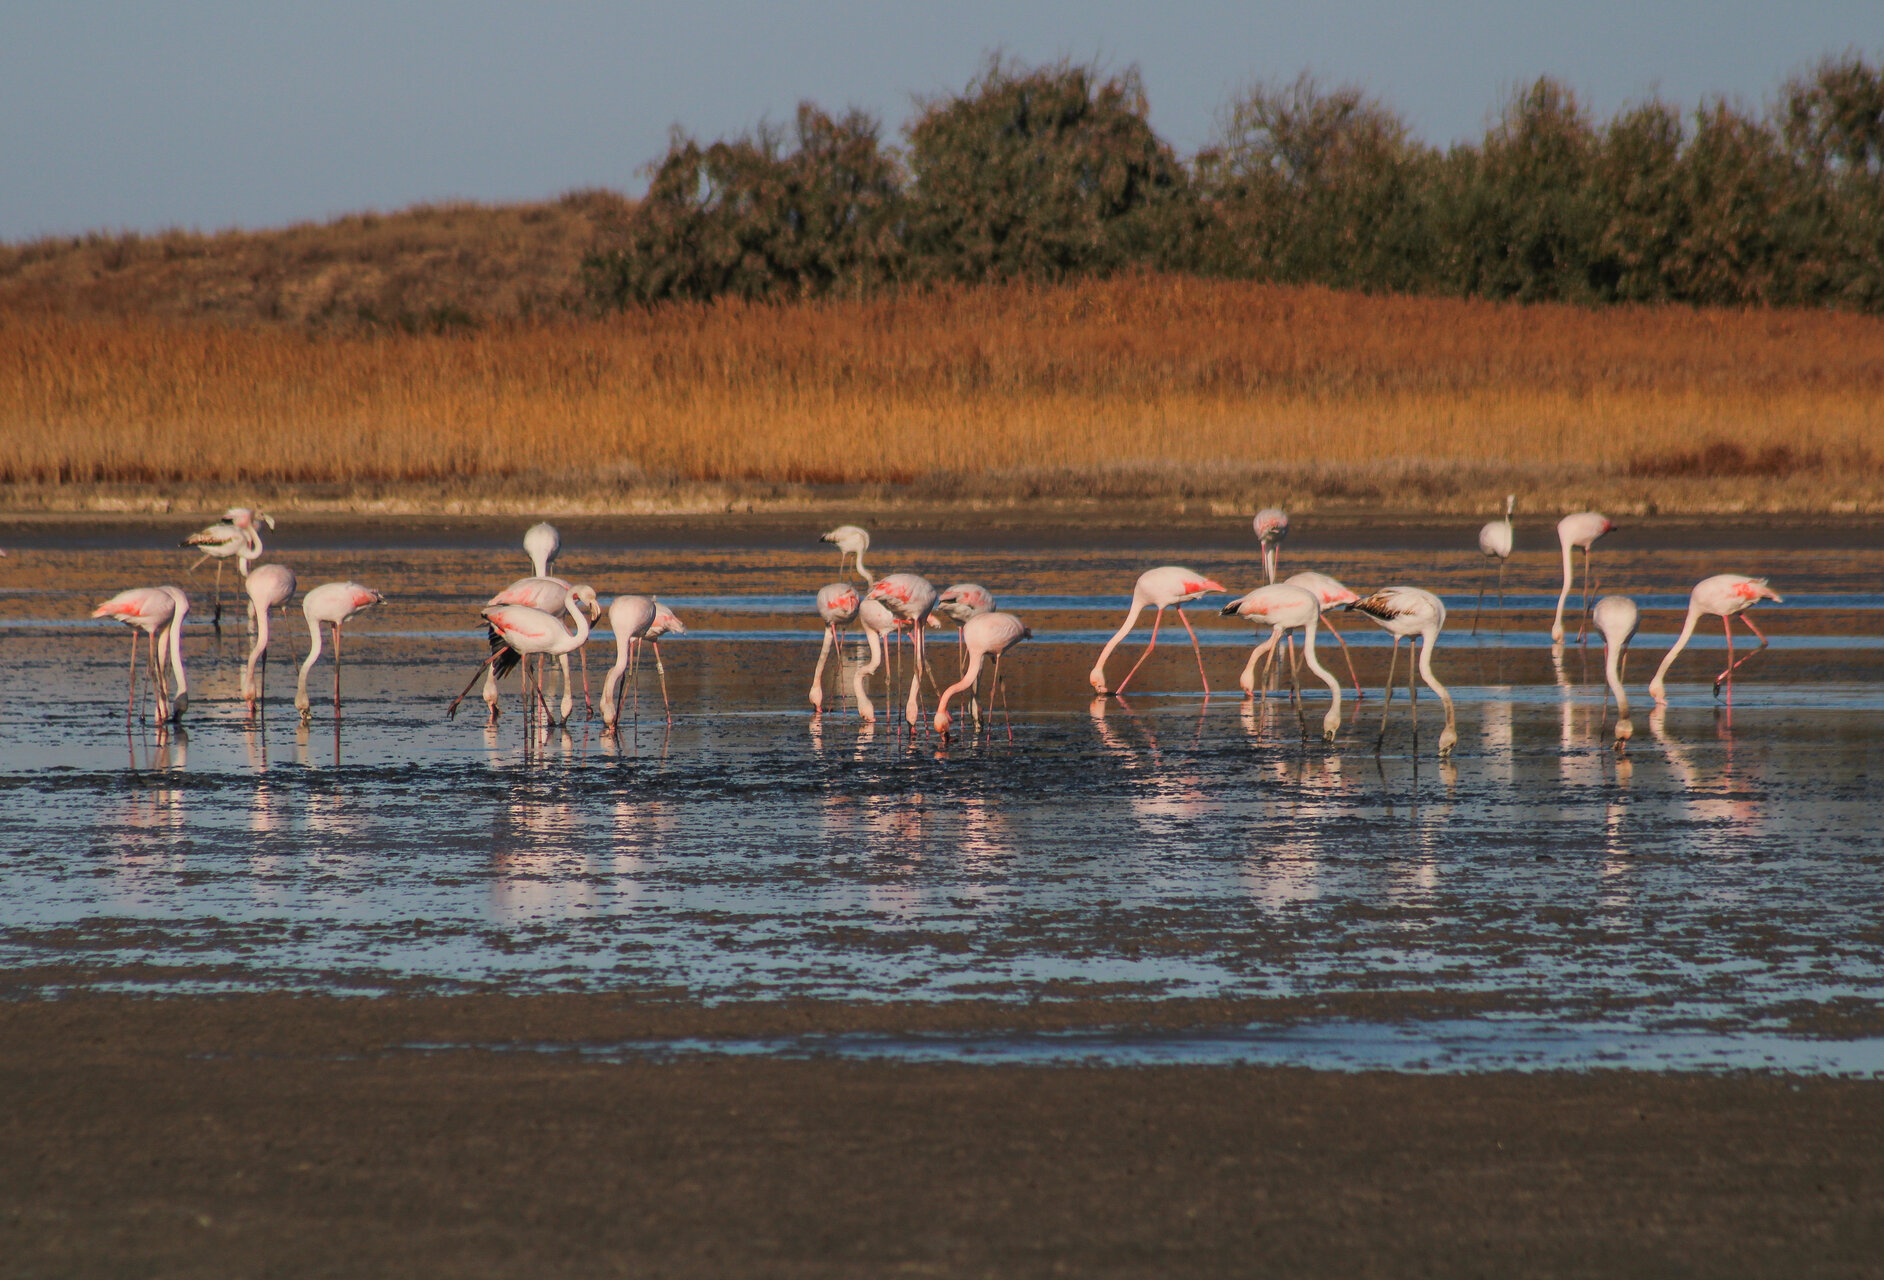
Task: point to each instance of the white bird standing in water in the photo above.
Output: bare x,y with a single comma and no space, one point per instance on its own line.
1168,587
1283,607
1580,529
1727,596
1496,541
269,586
145,609
629,617
1404,612
877,622
984,634
838,603
542,544
333,603
1616,617
1272,526
235,535
851,540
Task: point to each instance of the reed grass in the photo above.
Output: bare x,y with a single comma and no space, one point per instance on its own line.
1152,386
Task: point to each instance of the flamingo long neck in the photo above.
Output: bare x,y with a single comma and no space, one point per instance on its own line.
1131,620
1427,640
261,645
967,681
623,643
866,708
868,580
314,652
174,638
817,676
1321,673
1656,687
251,550
571,643
1269,562
1556,626
1248,678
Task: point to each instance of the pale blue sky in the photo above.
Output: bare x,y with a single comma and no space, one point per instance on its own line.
214,113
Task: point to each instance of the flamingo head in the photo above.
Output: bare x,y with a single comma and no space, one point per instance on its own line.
584,596
1625,729
1448,739
1098,680
1756,589
942,720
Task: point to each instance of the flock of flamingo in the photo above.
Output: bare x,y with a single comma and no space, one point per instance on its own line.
525,621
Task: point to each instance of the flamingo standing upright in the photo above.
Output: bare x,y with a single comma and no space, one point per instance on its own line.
1727,596
269,586
1580,529
837,606
1272,526
520,630
629,617
235,535
1333,595
1404,612
547,595
851,540
542,544
144,609
1169,587
1496,541
1616,617
1285,607
983,634
333,603
911,597
877,621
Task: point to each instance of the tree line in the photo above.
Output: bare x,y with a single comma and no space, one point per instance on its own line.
1054,172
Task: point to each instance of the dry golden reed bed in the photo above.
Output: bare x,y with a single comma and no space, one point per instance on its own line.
1155,388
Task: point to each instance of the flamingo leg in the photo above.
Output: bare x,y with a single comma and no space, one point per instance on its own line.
1413,696
587,701
1156,619
1583,623
661,669
452,710
336,670
1393,660
998,687
1479,607
1195,648
1358,695
216,621
130,698
1501,584
1728,674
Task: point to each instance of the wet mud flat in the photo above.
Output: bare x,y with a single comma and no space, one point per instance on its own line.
301,1136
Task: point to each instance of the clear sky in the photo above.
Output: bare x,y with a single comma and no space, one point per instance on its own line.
220,113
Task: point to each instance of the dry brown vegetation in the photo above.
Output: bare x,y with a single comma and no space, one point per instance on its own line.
1151,388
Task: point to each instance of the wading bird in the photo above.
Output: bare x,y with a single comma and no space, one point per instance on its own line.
333,603
1726,596
236,535
173,638
1169,587
851,541
269,586
1333,596
1405,612
1579,530
1272,526
984,634
542,544
1616,617
1283,608
837,605
629,617
548,595
1495,541
911,598
525,632
877,622
145,609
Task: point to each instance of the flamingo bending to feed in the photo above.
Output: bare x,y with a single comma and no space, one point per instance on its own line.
1333,595
958,604
877,621
1727,596
542,543
1405,612
333,603
910,597
236,535
173,636
1581,529
1170,587
1496,541
547,595
983,634
1285,607
521,632
145,609
851,541
1272,526
1616,617
269,586
629,617
837,605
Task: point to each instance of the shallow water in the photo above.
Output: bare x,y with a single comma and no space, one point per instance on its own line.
1720,879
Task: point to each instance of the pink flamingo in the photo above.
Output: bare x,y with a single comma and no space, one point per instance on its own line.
629,617
173,635
1581,529
145,609
1405,612
1285,607
877,621
983,634
1169,587
547,595
333,603
236,535
1333,596
1727,596
911,597
1496,541
1616,617
837,605
269,586
542,544
851,540
523,632
1272,526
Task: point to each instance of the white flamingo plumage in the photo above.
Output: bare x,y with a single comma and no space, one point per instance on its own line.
851,540
877,622
838,603
629,617
1333,595
911,597
1617,617
1727,596
1405,612
984,634
149,610
1496,540
1168,587
1580,529
542,544
1272,527
547,595
235,535
333,603
269,586
1284,607
525,632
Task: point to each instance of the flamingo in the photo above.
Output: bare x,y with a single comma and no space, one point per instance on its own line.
333,603
1727,596
1405,612
877,621
144,609
1333,595
1169,587
236,535
911,597
1616,617
521,631
173,636
958,604
1272,526
837,605
547,595
541,543
629,617
1495,540
851,541
983,634
1284,607
269,586
666,623
1578,530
